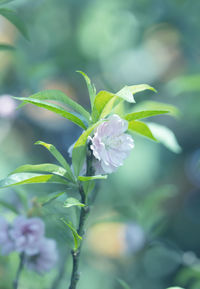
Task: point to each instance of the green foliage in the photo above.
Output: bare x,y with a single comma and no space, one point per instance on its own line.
71,202
8,206
123,284
79,150
52,197
90,86
86,179
2,2
103,104
144,114
6,47
77,238
175,288
15,20
88,187
165,136
127,92
62,98
141,128
155,105
55,108
58,156
30,178
48,168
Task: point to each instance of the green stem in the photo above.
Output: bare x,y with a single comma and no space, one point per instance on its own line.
19,270
76,253
81,227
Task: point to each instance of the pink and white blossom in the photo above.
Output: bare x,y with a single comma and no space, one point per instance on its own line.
26,233
110,144
46,257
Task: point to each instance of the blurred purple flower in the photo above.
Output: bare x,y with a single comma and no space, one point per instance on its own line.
26,233
110,144
7,106
46,257
6,243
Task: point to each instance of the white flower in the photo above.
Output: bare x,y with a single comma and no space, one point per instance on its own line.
110,144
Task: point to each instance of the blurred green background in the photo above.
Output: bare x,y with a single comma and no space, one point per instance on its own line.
145,228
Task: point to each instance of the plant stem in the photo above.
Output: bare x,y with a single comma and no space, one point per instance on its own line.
76,253
82,219
19,270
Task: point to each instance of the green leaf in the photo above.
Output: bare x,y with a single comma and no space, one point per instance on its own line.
79,150
123,284
154,105
104,100
15,20
59,96
165,136
77,238
175,288
71,202
4,47
103,104
49,168
141,128
30,178
97,177
90,86
54,108
183,84
88,187
58,156
47,200
127,92
144,114
8,206
2,2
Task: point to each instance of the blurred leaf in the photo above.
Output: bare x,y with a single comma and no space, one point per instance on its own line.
103,103
15,20
188,273
144,114
165,136
58,156
188,83
77,238
6,47
175,288
47,200
97,177
90,86
123,284
22,195
141,128
5,1
71,202
50,168
28,178
154,105
60,96
127,92
54,108
8,206
79,150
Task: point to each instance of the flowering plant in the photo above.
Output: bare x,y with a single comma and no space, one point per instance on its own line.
103,146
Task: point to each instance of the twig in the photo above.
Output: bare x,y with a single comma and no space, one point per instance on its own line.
19,271
82,219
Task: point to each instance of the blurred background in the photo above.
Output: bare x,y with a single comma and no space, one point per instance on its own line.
145,228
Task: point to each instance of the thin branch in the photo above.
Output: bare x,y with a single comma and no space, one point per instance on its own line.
19,271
